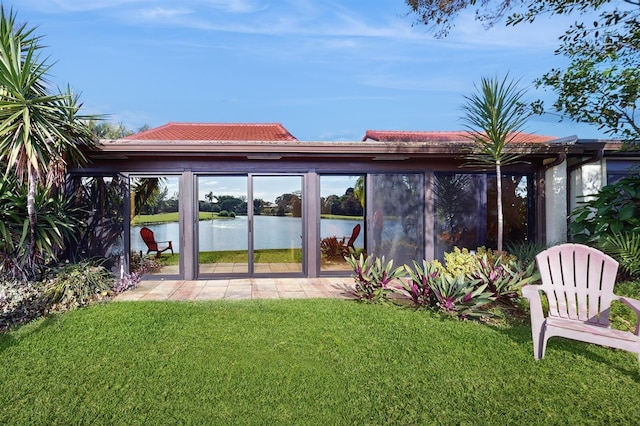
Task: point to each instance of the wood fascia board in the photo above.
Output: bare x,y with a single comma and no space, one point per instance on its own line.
317,148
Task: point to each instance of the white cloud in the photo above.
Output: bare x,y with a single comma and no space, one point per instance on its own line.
542,34
239,6
56,6
161,13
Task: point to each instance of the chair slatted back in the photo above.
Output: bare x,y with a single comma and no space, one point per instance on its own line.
148,238
354,235
578,281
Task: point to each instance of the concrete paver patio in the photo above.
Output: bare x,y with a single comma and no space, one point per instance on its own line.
241,288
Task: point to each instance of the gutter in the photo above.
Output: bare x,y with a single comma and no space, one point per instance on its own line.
597,156
560,158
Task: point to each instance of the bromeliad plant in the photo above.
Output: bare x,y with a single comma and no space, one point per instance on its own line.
433,287
373,276
464,287
421,278
503,278
460,297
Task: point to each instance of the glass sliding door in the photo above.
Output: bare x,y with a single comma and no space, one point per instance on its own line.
516,208
223,225
101,201
341,220
467,212
396,214
461,211
155,225
277,224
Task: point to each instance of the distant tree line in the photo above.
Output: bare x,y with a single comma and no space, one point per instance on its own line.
344,205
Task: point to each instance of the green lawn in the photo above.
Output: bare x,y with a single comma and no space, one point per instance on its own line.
239,256
173,217
301,362
170,217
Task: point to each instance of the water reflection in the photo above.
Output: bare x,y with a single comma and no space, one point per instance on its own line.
231,234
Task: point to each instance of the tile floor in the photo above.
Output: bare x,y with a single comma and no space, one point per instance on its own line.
244,288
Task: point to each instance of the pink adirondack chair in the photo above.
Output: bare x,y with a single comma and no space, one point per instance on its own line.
578,281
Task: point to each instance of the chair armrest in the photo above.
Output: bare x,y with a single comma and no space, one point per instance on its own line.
634,304
532,292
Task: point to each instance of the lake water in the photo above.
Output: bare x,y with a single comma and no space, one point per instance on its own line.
231,234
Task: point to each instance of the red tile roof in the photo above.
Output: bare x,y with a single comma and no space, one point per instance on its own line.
450,136
216,132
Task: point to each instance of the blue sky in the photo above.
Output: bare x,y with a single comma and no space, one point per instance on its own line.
326,70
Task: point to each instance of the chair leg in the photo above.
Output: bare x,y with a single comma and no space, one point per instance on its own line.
539,340
543,344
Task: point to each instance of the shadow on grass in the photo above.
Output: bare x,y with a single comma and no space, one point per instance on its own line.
567,348
10,337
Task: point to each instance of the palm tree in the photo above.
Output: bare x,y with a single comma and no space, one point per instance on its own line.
493,118
210,197
39,131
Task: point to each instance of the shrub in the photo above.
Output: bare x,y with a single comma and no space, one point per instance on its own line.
432,286
127,282
57,223
625,248
615,209
372,276
468,282
143,264
223,213
418,287
459,261
463,261
76,285
20,302
332,248
525,251
503,279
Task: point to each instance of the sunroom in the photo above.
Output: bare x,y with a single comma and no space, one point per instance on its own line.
250,200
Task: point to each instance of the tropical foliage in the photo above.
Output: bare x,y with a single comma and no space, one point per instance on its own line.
430,286
58,220
77,284
625,248
40,132
99,204
20,302
615,209
466,286
493,117
600,83
373,276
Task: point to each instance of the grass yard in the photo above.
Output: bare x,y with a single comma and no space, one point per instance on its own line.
238,256
170,217
311,361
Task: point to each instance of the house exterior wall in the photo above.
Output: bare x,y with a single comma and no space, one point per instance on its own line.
314,160
585,181
556,204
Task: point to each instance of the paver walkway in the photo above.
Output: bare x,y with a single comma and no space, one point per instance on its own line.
245,288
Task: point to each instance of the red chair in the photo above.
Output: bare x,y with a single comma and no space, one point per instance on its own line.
152,244
352,240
